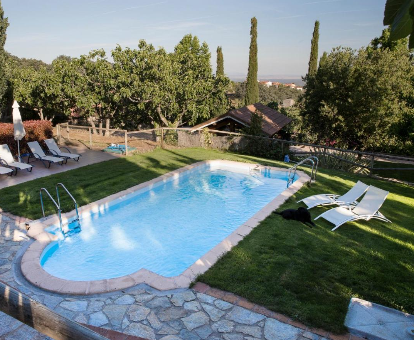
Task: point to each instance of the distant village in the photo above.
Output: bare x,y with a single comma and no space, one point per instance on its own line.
277,84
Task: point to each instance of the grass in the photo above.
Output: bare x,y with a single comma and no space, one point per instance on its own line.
306,274
403,175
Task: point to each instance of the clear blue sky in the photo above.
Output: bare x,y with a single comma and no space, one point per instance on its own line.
44,29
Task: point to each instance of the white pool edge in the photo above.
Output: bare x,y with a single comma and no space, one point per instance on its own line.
35,274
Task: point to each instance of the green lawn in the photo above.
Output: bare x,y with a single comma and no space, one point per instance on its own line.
403,175
307,274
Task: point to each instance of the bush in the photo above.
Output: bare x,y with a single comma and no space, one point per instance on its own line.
36,130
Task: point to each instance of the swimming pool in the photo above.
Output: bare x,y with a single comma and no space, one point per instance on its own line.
167,226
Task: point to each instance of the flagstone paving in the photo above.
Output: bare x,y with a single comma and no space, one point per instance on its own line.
193,314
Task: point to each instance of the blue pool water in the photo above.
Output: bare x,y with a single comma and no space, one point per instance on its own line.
164,229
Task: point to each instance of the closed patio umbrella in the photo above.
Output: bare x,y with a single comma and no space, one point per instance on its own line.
19,131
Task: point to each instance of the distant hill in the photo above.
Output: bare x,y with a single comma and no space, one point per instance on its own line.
297,81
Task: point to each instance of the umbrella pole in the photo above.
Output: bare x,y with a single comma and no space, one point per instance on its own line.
18,148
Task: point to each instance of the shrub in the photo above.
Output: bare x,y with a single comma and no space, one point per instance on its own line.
36,130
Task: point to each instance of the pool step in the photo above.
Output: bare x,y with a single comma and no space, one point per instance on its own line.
72,227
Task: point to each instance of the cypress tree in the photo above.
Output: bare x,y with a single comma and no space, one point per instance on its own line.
220,62
252,87
313,60
3,79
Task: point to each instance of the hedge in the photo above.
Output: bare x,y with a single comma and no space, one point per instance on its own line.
36,130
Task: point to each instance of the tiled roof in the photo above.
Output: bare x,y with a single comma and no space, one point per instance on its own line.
273,121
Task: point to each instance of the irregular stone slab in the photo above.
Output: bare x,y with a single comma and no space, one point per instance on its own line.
143,298
250,330
98,319
176,324
115,313
171,337
195,320
233,337
204,331
214,313
161,301
179,298
205,298
154,321
81,318
165,329
75,306
7,324
51,301
138,313
125,300
223,305
125,323
244,316
193,306
223,326
140,330
185,334
95,306
172,313
277,330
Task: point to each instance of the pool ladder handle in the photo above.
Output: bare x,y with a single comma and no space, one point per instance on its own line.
57,205
292,170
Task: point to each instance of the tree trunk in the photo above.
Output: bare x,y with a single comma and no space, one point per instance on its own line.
100,127
92,124
163,119
41,114
107,126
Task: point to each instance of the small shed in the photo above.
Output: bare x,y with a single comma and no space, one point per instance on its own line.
235,120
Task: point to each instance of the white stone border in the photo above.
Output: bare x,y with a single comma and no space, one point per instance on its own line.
34,273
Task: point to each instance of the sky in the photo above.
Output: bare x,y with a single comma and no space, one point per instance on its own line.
45,29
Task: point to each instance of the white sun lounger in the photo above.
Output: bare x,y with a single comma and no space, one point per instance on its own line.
38,153
328,199
7,159
6,171
365,210
54,149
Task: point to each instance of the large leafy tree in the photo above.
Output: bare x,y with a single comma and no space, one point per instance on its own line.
252,87
360,98
399,14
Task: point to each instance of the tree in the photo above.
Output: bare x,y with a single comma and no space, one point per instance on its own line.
220,62
313,60
252,87
360,99
323,58
399,14
4,23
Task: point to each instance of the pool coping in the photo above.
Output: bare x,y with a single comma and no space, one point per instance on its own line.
35,274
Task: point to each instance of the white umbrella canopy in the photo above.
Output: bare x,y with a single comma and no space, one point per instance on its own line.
19,131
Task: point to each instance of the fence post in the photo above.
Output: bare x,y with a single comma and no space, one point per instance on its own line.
90,137
67,130
371,167
126,143
162,138
58,133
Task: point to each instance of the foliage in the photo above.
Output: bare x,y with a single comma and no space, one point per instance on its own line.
252,88
3,57
36,130
206,138
360,99
220,62
399,14
313,60
256,124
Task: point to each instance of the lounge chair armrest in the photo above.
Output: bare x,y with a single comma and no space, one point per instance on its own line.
52,152
4,163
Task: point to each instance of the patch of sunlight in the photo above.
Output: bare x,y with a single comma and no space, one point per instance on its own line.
153,240
23,197
7,231
89,232
19,236
408,266
120,240
350,251
407,245
376,254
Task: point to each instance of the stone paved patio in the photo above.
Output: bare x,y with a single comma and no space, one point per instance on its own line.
144,311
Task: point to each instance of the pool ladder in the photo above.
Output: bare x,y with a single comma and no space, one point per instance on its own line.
64,228
292,171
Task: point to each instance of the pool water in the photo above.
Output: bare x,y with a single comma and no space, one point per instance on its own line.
164,229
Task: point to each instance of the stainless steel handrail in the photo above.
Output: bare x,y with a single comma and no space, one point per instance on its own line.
294,168
70,195
54,202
